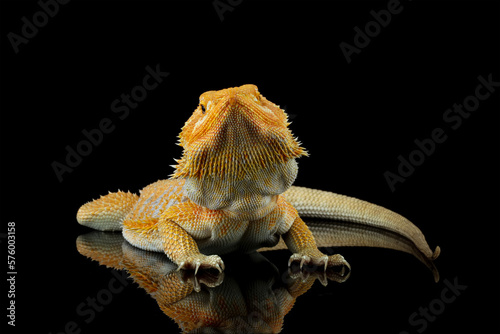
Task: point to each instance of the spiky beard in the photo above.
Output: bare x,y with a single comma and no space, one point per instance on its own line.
236,141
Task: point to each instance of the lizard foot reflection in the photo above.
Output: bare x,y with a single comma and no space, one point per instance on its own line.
205,277
309,265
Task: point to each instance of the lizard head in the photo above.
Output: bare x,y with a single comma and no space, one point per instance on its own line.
235,132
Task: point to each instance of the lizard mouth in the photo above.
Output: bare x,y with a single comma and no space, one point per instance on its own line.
235,132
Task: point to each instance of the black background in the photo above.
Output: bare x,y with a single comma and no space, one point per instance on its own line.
355,120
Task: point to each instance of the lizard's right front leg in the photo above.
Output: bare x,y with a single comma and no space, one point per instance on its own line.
182,249
164,234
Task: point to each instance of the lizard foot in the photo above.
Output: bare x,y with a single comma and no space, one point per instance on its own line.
322,260
206,278
198,261
323,276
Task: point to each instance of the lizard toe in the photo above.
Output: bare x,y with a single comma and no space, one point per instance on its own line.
319,261
304,259
201,261
338,260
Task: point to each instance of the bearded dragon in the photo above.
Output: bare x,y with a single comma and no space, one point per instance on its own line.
232,191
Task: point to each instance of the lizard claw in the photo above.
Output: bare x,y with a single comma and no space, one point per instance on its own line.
200,261
323,261
338,260
304,259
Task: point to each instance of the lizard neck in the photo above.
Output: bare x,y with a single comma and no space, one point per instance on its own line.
249,197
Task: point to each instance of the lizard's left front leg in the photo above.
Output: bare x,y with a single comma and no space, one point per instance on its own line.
300,240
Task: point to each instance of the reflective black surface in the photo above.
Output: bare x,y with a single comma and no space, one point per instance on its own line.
251,296
356,119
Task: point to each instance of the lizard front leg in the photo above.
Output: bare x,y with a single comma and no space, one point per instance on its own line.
300,240
182,249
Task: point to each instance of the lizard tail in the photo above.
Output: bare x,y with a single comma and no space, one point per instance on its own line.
323,204
108,212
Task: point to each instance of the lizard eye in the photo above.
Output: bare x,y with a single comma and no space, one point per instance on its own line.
202,107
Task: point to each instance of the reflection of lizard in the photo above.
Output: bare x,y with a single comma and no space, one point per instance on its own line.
252,298
231,190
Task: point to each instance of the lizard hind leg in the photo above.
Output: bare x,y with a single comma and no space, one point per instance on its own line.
107,212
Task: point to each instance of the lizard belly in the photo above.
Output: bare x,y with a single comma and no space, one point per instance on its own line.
243,236
220,232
